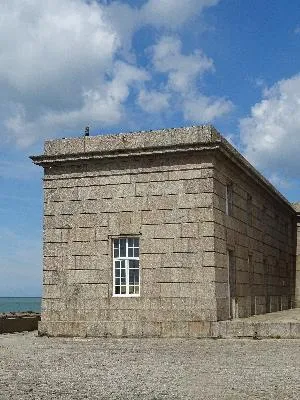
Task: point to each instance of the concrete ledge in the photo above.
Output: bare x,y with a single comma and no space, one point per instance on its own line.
256,330
10,323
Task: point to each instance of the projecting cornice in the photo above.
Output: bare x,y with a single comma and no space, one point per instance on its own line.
138,144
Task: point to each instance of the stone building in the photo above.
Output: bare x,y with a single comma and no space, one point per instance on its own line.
297,293
160,234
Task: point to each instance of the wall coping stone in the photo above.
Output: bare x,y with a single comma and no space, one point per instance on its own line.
172,140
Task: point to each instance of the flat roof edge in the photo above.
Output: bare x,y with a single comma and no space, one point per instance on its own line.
172,140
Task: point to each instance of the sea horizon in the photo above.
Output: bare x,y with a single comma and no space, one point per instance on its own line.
20,304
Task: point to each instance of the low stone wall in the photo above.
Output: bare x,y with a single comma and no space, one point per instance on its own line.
18,322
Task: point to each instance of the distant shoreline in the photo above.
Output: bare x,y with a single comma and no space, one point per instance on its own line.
20,297
20,304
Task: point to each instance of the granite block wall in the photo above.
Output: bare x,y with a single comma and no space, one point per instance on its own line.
261,234
297,291
203,258
165,201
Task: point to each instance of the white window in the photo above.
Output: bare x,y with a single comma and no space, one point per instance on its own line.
229,199
126,266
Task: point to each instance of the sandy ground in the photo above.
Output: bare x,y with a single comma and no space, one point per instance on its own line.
58,368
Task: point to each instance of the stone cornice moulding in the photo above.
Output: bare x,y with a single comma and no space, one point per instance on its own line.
147,143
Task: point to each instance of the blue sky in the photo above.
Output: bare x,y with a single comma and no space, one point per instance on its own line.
138,65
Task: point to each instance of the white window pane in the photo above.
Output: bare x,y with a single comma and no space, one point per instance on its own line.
126,269
123,289
134,276
131,289
134,263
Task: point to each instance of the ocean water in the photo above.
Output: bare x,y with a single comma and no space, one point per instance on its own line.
20,304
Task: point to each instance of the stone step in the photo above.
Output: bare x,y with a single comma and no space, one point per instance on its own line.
255,330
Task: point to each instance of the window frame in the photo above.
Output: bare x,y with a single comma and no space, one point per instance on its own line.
126,259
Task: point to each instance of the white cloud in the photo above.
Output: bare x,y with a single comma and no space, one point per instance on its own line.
182,69
173,13
271,135
153,101
206,109
61,68
58,70
101,104
54,40
183,73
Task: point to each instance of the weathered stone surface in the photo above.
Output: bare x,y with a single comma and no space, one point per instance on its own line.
165,188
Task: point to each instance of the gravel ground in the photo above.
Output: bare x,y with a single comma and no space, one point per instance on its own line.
150,369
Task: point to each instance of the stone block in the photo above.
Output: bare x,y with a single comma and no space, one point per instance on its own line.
174,329
87,276
54,249
199,329
150,260
151,329
52,262
90,220
93,291
153,217
175,216
50,277
83,234
167,231
132,329
156,246
87,262
150,290
260,329
148,276
181,245
115,329
150,177
207,229
190,230
123,315
234,329
221,289
87,248
190,174
51,292
96,329
165,275
125,303
99,233
167,202
280,330
209,259
194,200
295,330
204,244
170,289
